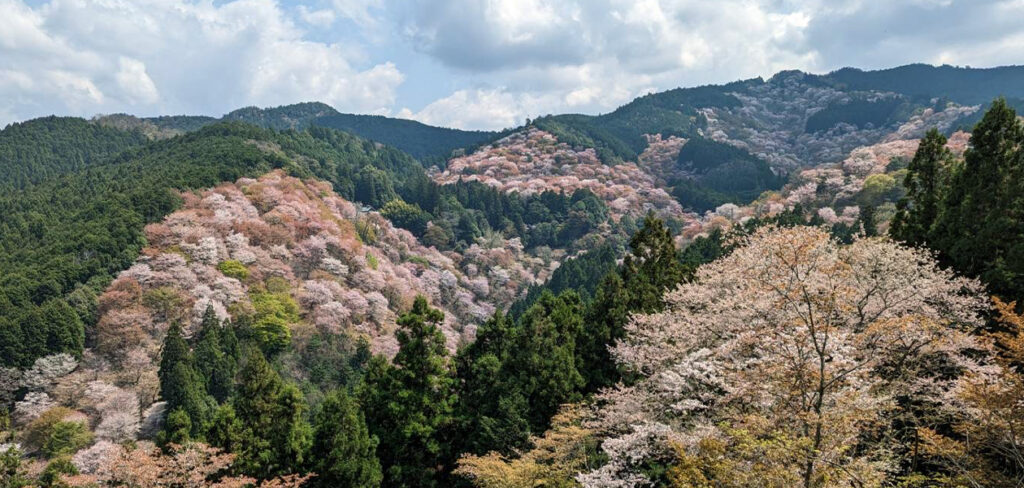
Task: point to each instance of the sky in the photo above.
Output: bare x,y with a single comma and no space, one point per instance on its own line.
470,64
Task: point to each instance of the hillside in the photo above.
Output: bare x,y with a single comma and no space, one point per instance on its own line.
963,85
63,239
432,145
531,162
36,150
424,142
644,297
344,270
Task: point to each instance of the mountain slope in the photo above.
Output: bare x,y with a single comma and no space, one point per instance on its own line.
348,271
966,86
74,231
43,148
424,142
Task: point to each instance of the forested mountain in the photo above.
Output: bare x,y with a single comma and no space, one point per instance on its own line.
33,151
90,222
965,85
432,145
810,280
424,142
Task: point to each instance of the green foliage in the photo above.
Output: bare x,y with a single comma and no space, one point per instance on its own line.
293,116
878,188
917,211
407,216
979,229
423,142
619,135
967,122
516,374
606,318
652,267
225,429
183,123
272,333
582,131
692,195
860,112
55,471
344,453
212,363
177,428
276,436
233,269
181,386
12,473
544,358
721,173
967,86
409,403
334,361
582,273
80,228
702,250
66,438
35,331
491,407
175,351
275,312
374,186
41,429
39,149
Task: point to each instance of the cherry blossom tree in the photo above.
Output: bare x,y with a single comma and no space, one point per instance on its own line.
118,410
47,370
789,332
193,465
986,447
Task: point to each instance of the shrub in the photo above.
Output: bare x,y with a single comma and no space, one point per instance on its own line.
38,431
56,470
67,437
233,269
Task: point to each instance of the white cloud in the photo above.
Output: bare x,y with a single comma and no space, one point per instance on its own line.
135,82
319,18
471,63
358,11
474,109
552,56
593,55
158,56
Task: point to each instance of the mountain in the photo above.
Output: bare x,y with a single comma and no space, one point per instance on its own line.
803,105
43,148
294,116
963,85
236,281
230,246
75,230
432,145
65,237
424,142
